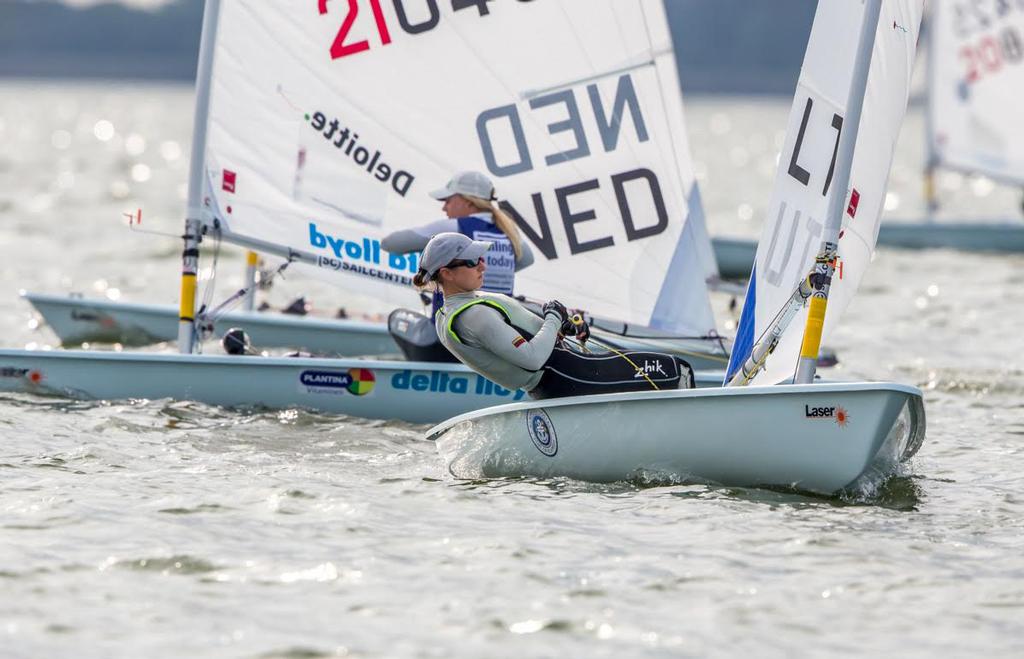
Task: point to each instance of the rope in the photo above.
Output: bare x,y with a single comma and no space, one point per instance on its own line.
205,319
577,320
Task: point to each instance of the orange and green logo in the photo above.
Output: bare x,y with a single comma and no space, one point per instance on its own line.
362,381
356,381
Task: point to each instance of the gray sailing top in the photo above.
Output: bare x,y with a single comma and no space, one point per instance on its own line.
480,330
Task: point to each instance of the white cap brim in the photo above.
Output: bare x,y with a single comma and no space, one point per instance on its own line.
477,249
442,194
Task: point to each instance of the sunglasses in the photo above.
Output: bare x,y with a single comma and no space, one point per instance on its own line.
464,263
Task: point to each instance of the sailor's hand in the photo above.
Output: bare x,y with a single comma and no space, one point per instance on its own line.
582,331
576,326
557,308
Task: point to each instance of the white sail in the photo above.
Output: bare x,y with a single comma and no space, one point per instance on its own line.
976,88
330,121
792,233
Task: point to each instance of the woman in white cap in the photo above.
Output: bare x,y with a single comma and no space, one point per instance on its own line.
469,204
505,342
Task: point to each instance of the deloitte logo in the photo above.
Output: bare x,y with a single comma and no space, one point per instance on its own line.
357,381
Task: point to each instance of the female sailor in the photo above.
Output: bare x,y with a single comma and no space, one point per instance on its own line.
469,204
499,338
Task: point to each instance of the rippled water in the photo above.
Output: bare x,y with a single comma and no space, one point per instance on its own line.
157,528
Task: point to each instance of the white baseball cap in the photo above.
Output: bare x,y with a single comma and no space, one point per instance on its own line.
473,184
446,247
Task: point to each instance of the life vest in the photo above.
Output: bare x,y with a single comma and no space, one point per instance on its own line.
449,326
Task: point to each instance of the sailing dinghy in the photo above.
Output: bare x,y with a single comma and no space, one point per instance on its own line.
77,320
774,425
974,108
319,131
973,103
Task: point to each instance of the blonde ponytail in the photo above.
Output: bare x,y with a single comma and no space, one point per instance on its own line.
502,221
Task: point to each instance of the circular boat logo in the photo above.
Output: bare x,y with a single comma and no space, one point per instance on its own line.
362,381
542,432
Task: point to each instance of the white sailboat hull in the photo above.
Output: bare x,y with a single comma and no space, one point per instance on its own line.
417,392
78,320
777,435
1004,237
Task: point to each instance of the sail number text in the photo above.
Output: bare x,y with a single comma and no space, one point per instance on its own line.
414,17
991,53
972,17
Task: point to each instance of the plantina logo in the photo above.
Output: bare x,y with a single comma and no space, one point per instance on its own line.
356,381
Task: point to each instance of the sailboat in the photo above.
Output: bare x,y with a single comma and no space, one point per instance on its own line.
319,131
774,425
596,128
974,99
974,104
76,319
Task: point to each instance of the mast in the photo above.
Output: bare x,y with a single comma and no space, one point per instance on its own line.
824,265
932,155
251,263
197,169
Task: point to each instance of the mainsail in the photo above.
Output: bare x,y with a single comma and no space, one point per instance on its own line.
976,88
793,230
329,122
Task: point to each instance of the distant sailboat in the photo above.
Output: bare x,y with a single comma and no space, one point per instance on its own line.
975,101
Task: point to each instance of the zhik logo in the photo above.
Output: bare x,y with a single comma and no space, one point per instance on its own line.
648,368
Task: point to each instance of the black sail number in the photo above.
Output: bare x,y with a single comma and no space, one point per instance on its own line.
424,26
797,171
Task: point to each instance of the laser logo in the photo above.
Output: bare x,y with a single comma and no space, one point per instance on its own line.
833,413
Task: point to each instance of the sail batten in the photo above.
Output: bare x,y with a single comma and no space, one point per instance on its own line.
618,71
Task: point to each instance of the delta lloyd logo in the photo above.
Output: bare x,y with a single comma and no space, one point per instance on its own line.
650,368
834,413
361,249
